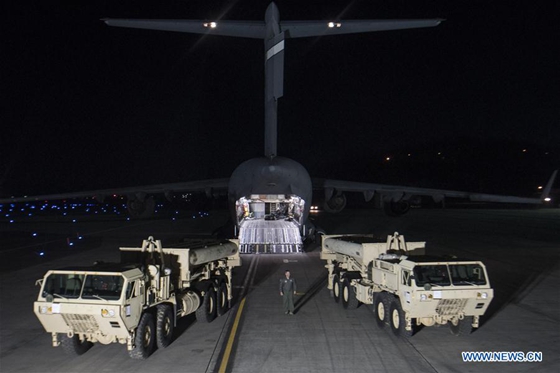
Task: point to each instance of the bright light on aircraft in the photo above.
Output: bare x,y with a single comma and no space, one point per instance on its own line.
334,24
547,199
539,187
210,24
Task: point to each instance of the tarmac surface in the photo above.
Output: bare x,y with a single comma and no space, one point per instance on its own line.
521,249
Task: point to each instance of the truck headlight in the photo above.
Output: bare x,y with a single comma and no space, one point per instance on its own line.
45,309
107,313
482,295
423,297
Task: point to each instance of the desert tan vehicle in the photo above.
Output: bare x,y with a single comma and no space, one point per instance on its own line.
136,302
406,287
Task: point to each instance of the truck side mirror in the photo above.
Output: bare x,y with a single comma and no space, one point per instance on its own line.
39,282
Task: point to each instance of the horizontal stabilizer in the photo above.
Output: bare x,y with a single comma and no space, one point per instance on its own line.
302,29
256,29
243,29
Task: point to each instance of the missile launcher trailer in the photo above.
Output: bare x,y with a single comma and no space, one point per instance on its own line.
406,287
136,302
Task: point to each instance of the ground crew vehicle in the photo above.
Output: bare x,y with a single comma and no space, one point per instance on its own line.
137,302
406,287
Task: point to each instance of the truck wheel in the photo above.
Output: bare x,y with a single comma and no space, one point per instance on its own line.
349,300
74,346
222,299
164,325
336,288
144,338
397,319
463,327
207,310
381,311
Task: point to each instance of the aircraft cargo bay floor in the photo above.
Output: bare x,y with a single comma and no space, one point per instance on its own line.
520,248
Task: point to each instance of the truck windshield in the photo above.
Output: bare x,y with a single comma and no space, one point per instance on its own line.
470,274
431,274
63,285
454,274
106,287
86,286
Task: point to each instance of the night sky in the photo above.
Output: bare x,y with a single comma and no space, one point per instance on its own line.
87,106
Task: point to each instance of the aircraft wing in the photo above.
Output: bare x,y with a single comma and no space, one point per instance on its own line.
138,192
394,194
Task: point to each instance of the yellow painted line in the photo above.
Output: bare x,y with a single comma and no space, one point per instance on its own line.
229,346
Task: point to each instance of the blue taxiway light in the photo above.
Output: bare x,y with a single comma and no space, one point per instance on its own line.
42,253
11,221
34,234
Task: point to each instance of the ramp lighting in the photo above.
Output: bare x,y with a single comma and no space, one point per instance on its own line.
210,24
547,199
539,187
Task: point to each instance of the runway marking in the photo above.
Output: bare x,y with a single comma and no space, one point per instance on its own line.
248,283
229,346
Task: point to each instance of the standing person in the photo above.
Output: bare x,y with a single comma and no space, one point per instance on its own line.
287,291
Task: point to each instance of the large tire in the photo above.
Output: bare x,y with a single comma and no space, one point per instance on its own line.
144,340
164,325
207,310
336,289
463,327
74,346
381,310
223,301
349,300
397,319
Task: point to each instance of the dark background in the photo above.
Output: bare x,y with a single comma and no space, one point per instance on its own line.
472,104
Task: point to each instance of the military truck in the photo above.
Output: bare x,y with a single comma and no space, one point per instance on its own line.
407,288
138,301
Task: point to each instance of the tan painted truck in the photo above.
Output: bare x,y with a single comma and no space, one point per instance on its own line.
407,288
137,302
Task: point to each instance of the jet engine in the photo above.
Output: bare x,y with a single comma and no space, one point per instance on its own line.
335,204
396,208
141,208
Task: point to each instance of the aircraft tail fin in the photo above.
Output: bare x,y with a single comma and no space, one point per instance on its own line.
274,33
